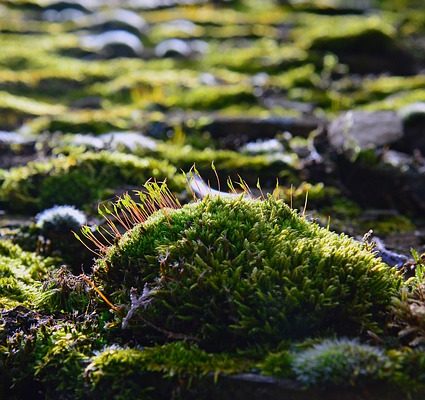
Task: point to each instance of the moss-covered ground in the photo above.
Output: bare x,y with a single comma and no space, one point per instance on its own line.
272,260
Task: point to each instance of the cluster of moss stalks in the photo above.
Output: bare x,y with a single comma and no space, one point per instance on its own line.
218,286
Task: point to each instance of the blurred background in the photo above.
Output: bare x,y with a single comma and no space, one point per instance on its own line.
326,96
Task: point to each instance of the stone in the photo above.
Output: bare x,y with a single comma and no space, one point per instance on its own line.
16,149
385,183
62,5
413,117
332,7
235,132
354,131
113,20
114,44
180,48
129,140
268,146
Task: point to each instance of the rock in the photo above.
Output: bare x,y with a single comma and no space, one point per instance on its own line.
333,7
201,189
115,20
413,117
208,79
129,140
180,48
14,138
84,6
182,25
366,46
263,147
389,257
90,102
88,141
69,14
235,132
381,184
157,4
16,149
354,131
114,44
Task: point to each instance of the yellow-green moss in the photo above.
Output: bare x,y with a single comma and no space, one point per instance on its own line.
20,275
80,179
231,273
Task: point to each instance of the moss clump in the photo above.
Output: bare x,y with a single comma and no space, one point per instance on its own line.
395,224
62,291
340,362
59,358
278,364
350,33
231,163
233,273
211,98
123,373
79,180
19,271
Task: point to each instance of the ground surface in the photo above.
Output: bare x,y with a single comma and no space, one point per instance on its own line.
320,102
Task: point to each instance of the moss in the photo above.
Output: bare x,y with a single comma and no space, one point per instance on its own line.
278,364
19,272
212,97
265,56
59,362
155,372
48,357
230,163
349,33
63,292
84,121
407,369
389,85
298,280
328,200
80,180
340,363
389,225
397,101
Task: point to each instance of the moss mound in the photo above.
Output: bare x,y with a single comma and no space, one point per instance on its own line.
19,270
340,362
231,273
79,179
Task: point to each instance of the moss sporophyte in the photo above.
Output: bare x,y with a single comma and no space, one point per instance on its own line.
234,272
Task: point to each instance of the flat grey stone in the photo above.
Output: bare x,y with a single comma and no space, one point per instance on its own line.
359,130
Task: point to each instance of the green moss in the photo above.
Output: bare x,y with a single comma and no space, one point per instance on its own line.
317,196
389,225
349,33
19,273
60,356
263,56
407,368
80,180
229,163
84,121
397,101
390,85
63,292
231,273
212,97
340,363
278,364
123,373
